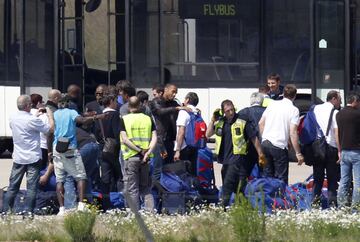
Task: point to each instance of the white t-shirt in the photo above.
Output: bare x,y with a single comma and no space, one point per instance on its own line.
183,119
45,119
322,114
279,115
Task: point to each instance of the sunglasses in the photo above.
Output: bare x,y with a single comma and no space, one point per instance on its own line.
99,94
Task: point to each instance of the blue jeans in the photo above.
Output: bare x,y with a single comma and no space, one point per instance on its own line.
350,167
32,180
89,154
157,163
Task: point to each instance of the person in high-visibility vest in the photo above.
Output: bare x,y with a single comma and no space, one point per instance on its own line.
232,134
138,139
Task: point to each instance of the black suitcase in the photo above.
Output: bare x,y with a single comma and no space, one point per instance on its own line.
173,203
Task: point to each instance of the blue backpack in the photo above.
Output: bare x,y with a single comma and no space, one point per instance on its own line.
195,134
267,194
173,183
309,129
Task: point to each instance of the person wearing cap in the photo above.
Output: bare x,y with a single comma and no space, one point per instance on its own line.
69,162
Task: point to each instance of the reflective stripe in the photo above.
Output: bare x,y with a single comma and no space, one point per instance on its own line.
239,143
140,139
138,130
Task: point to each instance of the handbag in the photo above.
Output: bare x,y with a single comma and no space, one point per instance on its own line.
320,145
62,144
109,143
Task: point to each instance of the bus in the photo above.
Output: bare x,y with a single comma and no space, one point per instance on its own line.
221,49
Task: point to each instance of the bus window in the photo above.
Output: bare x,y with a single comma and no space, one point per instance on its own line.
287,31
216,43
329,46
2,42
9,43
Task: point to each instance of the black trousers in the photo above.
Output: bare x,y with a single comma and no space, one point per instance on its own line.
277,165
235,180
190,153
329,167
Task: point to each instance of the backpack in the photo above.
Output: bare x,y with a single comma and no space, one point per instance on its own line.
173,183
308,129
267,194
195,134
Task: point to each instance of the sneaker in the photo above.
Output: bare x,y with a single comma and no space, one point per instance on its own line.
61,211
82,207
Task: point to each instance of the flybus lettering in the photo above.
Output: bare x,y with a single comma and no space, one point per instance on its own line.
219,10
207,10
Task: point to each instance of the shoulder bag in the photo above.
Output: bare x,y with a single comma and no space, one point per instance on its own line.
109,143
320,145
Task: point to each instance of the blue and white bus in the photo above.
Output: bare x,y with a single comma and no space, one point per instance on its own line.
222,49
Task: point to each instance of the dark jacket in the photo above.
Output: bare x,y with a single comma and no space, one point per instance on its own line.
110,125
94,106
277,96
83,137
165,115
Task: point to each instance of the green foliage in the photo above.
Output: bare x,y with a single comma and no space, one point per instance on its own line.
31,235
247,222
80,225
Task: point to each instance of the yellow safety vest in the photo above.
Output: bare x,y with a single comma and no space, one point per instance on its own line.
266,102
138,130
238,137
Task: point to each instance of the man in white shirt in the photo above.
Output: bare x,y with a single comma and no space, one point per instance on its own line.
322,114
279,123
26,129
182,150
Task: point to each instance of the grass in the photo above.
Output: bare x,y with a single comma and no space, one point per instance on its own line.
240,223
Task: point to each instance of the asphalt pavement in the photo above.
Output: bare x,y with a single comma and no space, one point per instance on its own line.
296,173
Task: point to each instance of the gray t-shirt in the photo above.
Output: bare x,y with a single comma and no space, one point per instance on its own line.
124,109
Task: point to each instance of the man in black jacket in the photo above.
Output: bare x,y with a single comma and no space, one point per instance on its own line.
97,105
165,110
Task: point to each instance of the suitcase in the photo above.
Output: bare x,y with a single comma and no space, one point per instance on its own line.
173,203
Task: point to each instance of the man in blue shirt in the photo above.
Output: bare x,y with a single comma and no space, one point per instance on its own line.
69,162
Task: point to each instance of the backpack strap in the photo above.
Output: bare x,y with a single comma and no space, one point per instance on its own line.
329,122
313,118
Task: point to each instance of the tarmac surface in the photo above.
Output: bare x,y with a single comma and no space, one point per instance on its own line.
296,173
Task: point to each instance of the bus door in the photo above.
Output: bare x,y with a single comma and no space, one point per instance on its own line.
330,33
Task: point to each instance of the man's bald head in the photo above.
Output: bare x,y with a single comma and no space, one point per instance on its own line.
134,104
54,95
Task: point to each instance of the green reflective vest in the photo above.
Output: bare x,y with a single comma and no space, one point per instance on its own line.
237,134
138,130
266,102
